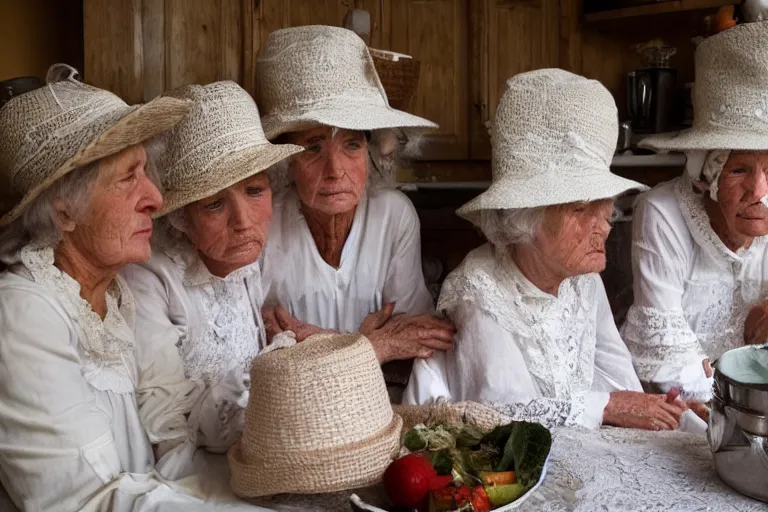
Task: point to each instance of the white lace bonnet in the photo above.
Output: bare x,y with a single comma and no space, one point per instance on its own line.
48,132
553,140
730,95
323,75
219,143
318,420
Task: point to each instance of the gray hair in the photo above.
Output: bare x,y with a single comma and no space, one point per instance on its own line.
505,228
388,149
516,226
38,226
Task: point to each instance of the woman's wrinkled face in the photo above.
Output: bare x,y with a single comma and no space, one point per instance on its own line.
572,236
331,174
117,225
229,229
743,182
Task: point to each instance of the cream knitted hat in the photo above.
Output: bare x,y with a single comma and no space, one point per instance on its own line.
219,143
730,95
553,140
48,132
318,420
323,75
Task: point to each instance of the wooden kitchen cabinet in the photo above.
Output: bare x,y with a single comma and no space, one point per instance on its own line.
509,37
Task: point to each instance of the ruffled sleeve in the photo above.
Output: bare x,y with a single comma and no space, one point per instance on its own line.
665,350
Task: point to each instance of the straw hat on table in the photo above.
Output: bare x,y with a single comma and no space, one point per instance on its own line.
51,131
730,96
218,144
318,420
553,140
323,75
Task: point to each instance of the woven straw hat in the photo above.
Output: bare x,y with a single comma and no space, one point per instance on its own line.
219,143
730,96
323,75
318,420
553,140
48,132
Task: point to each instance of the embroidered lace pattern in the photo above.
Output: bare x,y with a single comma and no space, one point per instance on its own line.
232,327
560,334
714,310
106,348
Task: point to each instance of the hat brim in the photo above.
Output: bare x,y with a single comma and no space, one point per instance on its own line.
347,116
704,139
531,193
134,125
230,169
321,471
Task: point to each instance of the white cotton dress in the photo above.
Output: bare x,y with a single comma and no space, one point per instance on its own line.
380,263
197,335
534,356
691,293
71,436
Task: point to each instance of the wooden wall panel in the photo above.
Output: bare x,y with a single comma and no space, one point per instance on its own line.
112,34
436,33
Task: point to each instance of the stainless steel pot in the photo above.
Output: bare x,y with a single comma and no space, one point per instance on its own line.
753,397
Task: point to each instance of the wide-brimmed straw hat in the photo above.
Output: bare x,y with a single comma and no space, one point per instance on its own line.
48,132
323,75
318,420
730,95
553,140
219,143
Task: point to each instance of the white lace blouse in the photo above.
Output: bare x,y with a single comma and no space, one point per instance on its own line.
692,294
380,263
71,436
197,335
533,356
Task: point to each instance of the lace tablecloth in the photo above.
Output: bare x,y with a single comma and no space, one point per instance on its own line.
606,470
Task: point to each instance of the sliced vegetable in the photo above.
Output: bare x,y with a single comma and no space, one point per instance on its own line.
498,477
501,495
480,500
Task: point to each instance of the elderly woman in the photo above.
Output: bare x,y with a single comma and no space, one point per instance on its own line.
536,337
341,249
199,297
76,207
699,242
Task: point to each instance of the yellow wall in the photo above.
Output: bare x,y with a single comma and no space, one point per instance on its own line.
37,33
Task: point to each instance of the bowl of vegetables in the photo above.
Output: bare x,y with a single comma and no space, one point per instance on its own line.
455,467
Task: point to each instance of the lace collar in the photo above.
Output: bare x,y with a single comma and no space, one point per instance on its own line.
106,346
697,220
196,273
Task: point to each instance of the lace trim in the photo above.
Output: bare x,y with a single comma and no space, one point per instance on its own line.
109,362
560,331
232,327
549,412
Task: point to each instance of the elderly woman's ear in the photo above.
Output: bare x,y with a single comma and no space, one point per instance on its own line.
63,215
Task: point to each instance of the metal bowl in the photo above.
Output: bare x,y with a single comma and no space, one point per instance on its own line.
752,397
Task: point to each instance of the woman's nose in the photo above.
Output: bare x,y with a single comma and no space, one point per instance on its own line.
334,165
758,187
151,198
242,217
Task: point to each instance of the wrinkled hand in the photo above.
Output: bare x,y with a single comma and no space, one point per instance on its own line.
634,409
405,337
756,325
701,410
376,320
277,319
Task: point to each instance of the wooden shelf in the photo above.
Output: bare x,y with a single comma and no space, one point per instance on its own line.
658,8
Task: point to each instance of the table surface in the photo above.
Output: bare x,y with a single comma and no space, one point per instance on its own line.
610,469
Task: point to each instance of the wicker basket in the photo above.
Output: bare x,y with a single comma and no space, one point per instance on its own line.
400,78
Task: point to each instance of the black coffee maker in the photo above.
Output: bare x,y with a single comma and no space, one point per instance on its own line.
653,96
16,86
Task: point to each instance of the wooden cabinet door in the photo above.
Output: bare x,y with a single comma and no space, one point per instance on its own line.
436,32
139,49
509,37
